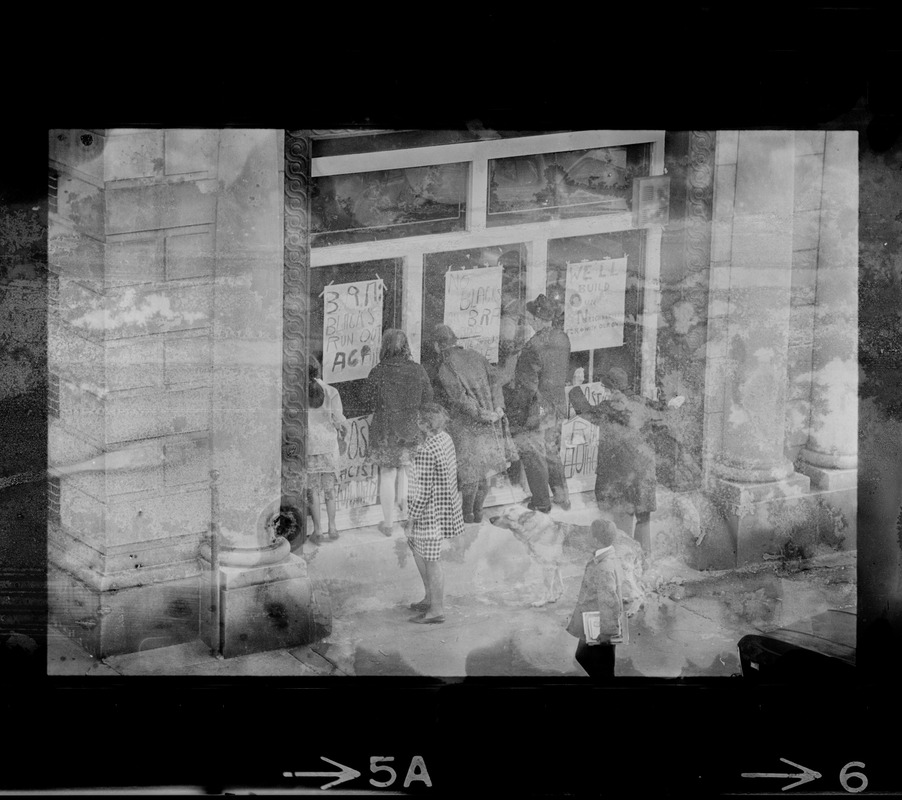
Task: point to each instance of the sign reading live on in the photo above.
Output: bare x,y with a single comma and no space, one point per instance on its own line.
473,308
594,297
352,329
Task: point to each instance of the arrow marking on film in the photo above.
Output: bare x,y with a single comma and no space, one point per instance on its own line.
803,777
345,774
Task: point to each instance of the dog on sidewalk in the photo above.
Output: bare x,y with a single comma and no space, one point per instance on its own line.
551,544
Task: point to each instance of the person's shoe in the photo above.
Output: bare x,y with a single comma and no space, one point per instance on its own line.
385,530
333,535
469,519
422,606
531,507
316,538
422,619
561,498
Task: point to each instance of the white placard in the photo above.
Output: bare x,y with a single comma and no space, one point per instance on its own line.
595,297
352,329
473,308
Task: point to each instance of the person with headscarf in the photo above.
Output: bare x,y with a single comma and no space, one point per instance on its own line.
469,388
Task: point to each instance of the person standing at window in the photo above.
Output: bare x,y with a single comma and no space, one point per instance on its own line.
539,405
396,388
469,388
325,423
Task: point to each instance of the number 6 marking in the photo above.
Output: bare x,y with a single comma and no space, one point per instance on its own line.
844,777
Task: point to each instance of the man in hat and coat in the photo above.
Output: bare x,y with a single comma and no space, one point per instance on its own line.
539,405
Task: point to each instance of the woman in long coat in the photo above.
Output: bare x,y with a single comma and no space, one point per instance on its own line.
470,389
397,387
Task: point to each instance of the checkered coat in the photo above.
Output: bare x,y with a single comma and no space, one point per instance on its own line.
435,506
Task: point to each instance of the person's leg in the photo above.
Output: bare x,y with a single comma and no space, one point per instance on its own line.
315,513
556,478
467,499
532,456
387,479
421,567
435,581
329,492
481,491
401,488
642,533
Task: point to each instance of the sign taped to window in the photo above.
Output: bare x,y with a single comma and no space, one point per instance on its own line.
594,298
352,329
473,308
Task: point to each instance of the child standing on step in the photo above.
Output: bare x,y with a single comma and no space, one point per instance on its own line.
325,424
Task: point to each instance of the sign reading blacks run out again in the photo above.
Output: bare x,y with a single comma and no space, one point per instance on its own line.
352,329
595,296
473,308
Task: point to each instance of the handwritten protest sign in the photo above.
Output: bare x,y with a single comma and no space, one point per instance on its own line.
473,308
352,464
352,329
594,297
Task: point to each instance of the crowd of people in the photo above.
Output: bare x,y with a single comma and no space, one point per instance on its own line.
440,430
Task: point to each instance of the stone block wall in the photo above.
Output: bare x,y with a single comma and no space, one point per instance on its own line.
132,251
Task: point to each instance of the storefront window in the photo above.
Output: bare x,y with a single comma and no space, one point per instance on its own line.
575,183
388,204
598,281
483,304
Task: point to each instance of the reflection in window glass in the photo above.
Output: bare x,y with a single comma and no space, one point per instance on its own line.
569,184
388,204
512,259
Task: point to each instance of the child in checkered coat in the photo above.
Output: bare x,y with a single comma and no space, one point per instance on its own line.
434,512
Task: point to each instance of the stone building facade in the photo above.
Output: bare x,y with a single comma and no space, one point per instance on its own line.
184,283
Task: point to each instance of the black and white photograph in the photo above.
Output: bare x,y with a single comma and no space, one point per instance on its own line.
489,426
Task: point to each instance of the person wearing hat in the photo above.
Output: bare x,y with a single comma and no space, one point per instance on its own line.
539,405
469,388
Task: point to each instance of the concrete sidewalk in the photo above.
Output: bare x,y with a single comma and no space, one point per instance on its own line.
689,626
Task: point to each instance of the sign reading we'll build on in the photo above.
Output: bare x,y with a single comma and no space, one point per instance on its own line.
595,297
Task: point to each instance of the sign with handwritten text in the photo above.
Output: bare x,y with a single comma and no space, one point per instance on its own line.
579,441
473,308
352,329
594,298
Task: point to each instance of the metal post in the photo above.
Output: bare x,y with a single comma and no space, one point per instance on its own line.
215,641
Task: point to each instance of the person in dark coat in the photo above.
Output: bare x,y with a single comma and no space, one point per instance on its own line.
469,387
625,476
538,405
396,388
600,592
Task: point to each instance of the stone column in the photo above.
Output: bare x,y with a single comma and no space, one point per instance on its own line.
265,594
830,456
752,475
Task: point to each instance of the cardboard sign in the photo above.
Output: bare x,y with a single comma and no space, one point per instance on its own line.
473,308
352,464
352,329
594,297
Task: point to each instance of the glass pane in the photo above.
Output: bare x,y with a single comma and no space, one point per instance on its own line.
576,183
512,259
589,249
388,204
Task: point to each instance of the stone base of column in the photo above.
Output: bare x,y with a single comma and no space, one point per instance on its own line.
828,479
837,491
128,620
748,521
261,608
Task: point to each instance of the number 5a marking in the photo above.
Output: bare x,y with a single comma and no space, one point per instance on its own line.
416,772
